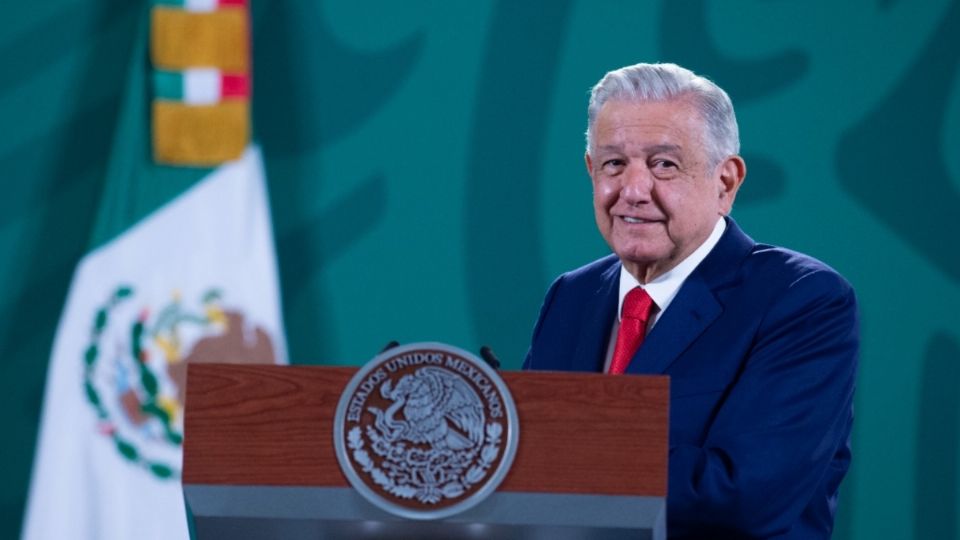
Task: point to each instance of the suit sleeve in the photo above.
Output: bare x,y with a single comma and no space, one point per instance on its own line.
775,434
529,361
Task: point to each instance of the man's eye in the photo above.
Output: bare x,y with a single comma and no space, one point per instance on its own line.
664,164
613,164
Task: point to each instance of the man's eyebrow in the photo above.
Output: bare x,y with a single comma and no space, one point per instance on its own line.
653,149
666,148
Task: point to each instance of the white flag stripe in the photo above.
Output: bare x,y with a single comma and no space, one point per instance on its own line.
200,5
201,86
215,234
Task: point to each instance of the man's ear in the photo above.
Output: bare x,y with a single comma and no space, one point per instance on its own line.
732,171
589,163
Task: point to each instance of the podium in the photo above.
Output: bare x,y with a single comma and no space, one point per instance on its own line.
259,459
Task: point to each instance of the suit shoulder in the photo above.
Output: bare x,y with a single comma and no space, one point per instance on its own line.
789,268
591,271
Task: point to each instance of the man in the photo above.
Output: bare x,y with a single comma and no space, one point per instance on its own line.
760,343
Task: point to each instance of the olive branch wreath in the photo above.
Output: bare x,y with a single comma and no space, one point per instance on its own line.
452,490
148,382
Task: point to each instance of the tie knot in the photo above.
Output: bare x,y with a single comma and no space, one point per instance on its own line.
637,305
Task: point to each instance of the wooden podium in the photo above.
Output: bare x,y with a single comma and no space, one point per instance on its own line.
259,459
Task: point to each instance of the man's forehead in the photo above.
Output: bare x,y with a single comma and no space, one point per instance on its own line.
671,122
648,113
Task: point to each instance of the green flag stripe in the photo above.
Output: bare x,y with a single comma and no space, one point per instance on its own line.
134,187
168,85
171,3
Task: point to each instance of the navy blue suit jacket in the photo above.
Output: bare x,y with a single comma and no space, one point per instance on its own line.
761,347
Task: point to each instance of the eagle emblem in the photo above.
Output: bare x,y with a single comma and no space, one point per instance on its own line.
438,408
135,367
425,431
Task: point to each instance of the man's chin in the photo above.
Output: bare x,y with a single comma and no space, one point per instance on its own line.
643,256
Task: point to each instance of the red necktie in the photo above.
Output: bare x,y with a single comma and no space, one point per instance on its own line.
637,306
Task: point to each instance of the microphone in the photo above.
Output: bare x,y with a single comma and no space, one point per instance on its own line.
491,359
389,346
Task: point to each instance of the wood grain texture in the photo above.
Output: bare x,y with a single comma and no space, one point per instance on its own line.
273,425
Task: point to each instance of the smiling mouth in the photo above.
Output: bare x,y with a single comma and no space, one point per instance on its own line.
633,220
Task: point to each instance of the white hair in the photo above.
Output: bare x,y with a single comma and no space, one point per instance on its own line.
665,82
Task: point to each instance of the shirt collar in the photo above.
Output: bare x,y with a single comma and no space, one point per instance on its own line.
665,287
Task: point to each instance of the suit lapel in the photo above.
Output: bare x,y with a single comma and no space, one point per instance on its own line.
597,321
689,314
695,306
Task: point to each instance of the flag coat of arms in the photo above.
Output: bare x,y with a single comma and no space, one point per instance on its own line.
182,270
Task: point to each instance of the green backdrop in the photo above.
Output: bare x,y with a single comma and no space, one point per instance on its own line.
413,148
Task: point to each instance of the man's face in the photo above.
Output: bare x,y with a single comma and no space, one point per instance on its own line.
656,195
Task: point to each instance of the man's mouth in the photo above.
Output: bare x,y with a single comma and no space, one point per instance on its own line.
635,220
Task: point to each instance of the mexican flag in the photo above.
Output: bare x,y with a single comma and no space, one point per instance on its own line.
181,269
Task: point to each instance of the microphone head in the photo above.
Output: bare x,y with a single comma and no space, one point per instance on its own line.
487,354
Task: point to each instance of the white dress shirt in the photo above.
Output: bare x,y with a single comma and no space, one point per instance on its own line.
663,288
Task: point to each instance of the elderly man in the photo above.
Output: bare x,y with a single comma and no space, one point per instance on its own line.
760,343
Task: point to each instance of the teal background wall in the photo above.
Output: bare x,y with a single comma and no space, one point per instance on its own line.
412,148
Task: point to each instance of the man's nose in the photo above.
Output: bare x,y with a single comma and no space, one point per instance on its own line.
637,184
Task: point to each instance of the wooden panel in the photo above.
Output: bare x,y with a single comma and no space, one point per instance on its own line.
589,433
262,425
273,425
